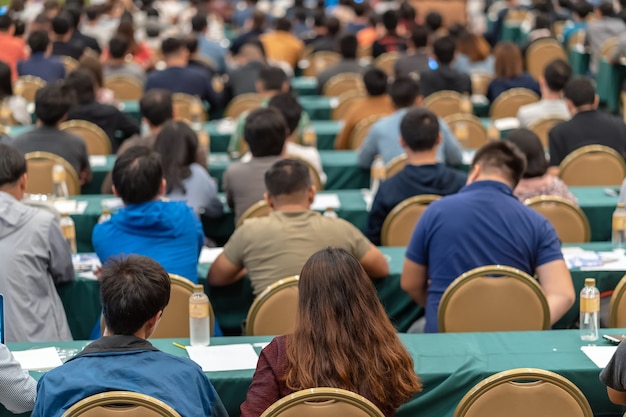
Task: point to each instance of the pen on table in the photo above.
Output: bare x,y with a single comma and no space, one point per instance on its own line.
178,345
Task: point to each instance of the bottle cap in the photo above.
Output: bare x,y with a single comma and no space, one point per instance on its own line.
58,174
590,282
620,205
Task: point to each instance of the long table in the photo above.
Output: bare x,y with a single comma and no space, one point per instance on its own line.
609,84
449,365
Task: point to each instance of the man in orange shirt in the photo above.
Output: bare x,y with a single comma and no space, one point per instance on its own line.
11,49
281,45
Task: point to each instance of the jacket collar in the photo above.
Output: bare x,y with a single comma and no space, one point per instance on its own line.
117,343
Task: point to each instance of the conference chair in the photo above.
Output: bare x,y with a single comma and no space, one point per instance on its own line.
40,165
27,86
274,311
444,103
607,49
623,96
96,140
515,16
323,402
241,104
577,40
493,298
524,392
318,62
396,165
540,53
468,130
346,101
401,220
557,29
617,309
69,63
343,83
387,62
542,128
508,103
364,53
124,87
119,404
360,131
569,221
186,107
480,81
593,165
315,176
258,209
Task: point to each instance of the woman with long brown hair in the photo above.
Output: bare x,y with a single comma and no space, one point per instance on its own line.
509,71
473,54
343,339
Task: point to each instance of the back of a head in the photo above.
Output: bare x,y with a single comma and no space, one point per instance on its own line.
542,21
82,83
288,178
191,42
137,175
172,47
583,9
419,36
74,12
606,9
434,21
348,45
6,87
390,21
12,165
503,159
118,46
289,107
199,23
258,20
333,26
252,51
272,78
530,145
557,73
265,131
156,106
457,29
419,129
52,102
92,63
376,82
508,60
444,48
475,47
319,18
38,41
360,9
93,12
61,24
580,91
177,144
5,22
282,24
132,291
404,91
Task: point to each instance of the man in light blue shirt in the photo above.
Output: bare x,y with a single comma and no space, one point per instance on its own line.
206,48
383,137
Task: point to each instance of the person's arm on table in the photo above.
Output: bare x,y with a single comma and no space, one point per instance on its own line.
614,376
414,281
228,267
372,260
556,282
17,387
374,263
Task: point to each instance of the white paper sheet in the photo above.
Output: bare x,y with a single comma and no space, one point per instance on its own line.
112,203
600,355
209,255
611,261
70,206
324,201
223,358
506,123
97,160
468,156
38,359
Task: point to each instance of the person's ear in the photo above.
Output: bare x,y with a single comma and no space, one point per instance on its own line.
162,187
268,199
418,100
152,324
23,182
311,194
115,193
439,139
403,144
596,101
473,174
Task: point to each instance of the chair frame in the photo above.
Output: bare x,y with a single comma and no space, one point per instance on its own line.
543,120
342,108
260,299
440,95
510,93
125,78
72,176
241,98
391,165
31,79
467,118
339,79
482,271
560,201
188,100
422,199
590,149
249,213
311,70
616,299
540,44
108,398
371,120
102,138
70,64
387,58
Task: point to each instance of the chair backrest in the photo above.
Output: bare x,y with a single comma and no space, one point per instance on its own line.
480,81
607,49
540,53
96,140
524,392
468,130
346,101
576,39
315,176
323,402
69,63
617,309
27,86
542,128
396,165
258,209
274,311
386,62
242,103
508,103
119,404
593,165
444,103
183,105
490,299
319,61
361,130
401,220
40,165
568,220
343,83
124,87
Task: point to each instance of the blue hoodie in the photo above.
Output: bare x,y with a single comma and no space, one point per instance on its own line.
167,232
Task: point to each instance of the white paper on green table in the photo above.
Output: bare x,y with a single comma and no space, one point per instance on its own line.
38,359
70,206
324,201
224,357
112,203
468,156
209,255
600,355
506,123
97,160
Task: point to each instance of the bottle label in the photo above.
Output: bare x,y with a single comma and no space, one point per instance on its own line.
198,311
619,222
590,305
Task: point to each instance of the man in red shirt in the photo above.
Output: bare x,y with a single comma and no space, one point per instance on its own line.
13,49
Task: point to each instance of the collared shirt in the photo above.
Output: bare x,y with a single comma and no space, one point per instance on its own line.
48,69
12,50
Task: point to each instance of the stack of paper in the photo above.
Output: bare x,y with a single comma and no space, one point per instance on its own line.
97,160
70,206
325,201
506,123
577,258
209,255
223,358
600,355
38,359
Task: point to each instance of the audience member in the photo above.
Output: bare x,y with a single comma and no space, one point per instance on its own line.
207,48
348,64
445,77
360,18
119,48
582,9
82,41
459,224
62,35
318,30
494,34
419,138
16,104
92,64
417,58
605,27
13,49
613,377
17,388
140,51
35,257
509,71
241,15
257,28
542,29
474,54
390,41
281,45
260,244
434,23
242,80
40,64
96,25
198,61
330,40
368,35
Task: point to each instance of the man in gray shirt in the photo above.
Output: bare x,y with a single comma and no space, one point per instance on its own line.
347,48
598,31
117,64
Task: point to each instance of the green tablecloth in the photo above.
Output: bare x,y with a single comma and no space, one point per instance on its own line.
609,84
579,60
304,86
513,33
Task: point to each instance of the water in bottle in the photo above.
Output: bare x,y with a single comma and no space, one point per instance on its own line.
69,231
618,238
199,320
589,311
59,181
309,137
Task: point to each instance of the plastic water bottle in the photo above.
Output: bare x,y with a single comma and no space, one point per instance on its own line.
69,231
618,238
199,320
309,137
59,182
196,111
589,311
330,212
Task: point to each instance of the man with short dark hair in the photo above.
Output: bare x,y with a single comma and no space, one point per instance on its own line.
40,64
416,59
328,42
116,64
12,49
390,41
277,246
463,231
281,45
588,125
555,76
134,293
419,138
167,231
62,29
207,48
434,22
445,77
257,28
242,80
581,9
52,103
80,40
348,64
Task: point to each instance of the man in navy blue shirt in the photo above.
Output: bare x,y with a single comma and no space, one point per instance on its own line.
485,224
48,68
422,175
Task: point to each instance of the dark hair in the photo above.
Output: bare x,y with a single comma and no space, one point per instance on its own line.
287,177
12,165
530,145
360,9
74,11
289,107
61,24
20,28
272,78
137,175
557,73
132,291
503,157
419,36
348,45
333,26
542,21
580,91
319,18
38,41
419,129
156,106
199,23
434,21
444,48
118,46
258,20
282,24
93,12
606,9
583,8
52,102
457,29
5,22
265,131
376,81
404,91
171,46
177,144
191,42
6,88
82,82
390,21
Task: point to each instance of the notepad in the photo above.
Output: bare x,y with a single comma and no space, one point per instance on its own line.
70,206
209,255
600,355
112,203
223,358
97,160
324,201
506,123
38,359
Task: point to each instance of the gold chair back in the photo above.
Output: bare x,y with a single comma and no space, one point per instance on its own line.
577,40
508,103
490,298
183,105
524,392
396,165
315,176
361,130
343,83
274,311
542,128
124,87
617,310
444,103
119,404
346,101
69,63
27,86
569,221
402,219
258,209
323,402
319,61
607,49
540,53
593,165
241,104
468,129
39,166
96,140
386,62
480,82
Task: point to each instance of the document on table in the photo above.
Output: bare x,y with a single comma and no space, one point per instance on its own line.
112,203
38,359
611,261
223,358
506,123
324,201
600,355
209,255
576,257
70,206
97,160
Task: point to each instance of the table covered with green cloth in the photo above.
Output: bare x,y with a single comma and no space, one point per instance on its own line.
304,86
512,32
449,365
609,84
579,61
